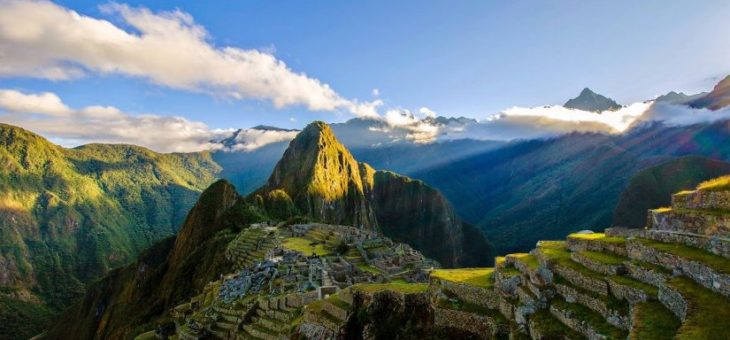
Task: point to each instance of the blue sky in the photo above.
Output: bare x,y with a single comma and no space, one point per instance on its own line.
467,58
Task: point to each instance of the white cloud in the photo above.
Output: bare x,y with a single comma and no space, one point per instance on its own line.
251,139
46,114
678,115
41,39
427,112
376,92
45,103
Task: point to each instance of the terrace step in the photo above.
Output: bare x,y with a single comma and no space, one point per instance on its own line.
598,242
615,312
710,270
704,314
584,320
651,320
543,325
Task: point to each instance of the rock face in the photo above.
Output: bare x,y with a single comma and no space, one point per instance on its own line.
327,184
591,101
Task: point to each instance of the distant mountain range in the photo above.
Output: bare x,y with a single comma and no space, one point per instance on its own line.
71,215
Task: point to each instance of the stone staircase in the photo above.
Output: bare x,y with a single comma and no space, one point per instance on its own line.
250,246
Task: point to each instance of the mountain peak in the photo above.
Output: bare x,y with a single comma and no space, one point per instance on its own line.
718,98
588,100
322,178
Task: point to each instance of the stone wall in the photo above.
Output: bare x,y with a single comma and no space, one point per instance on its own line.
674,301
337,312
689,221
484,297
713,200
699,272
614,317
480,325
577,244
578,279
716,245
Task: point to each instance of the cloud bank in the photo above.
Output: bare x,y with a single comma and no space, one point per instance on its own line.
46,114
43,40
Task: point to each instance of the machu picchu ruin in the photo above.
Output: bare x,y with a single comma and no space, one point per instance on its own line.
670,280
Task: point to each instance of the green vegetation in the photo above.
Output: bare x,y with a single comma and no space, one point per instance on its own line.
605,258
654,321
610,301
716,184
552,328
370,269
711,260
653,187
306,246
401,287
627,281
599,237
593,318
707,314
528,259
480,277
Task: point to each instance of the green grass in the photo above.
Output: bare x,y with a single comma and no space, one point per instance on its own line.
717,184
370,269
654,321
627,281
401,287
593,318
552,328
509,271
610,301
708,313
335,300
662,210
713,261
605,258
528,259
600,237
480,277
306,246
467,307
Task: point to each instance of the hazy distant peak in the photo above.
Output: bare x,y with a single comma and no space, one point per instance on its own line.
588,100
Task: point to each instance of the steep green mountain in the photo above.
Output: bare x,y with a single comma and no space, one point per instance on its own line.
588,100
653,187
544,189
170,271
67,216
325,182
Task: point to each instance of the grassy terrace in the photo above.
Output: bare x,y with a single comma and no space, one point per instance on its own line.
605,258
708,313
366,268
610,301
480,277
472,308
401,287
528,259
335,300
599,237
560,255
716,262
717,184
552,328
654,321
593,318
306,246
